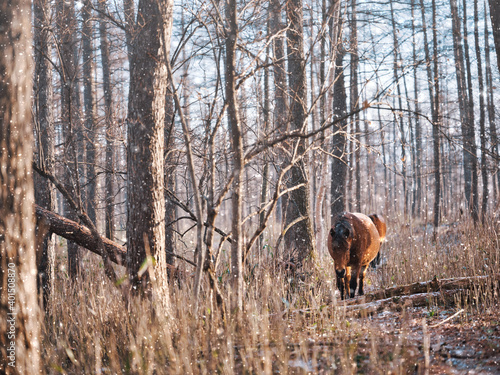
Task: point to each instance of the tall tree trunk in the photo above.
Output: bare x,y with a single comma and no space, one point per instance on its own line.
145,135
417,198
495,25
298,236
170,214
400,104
44,139
66,27
469,144
109,221
355,104
433,87
280,86
468,69
436,121
20,323
90,110
491,106
482,114
339,139
238,162
265,170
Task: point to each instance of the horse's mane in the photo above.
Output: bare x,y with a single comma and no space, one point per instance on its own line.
341,224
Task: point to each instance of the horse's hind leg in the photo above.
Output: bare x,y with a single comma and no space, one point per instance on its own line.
347,280
354,280
362,278
375,262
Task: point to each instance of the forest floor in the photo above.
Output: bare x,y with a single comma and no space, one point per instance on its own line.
453,341
465,345
429,308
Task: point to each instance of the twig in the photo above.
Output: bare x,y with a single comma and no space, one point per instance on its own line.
447,319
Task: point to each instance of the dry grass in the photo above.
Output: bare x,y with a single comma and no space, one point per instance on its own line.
286,327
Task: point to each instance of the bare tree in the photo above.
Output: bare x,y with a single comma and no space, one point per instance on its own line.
298,230
495,25
354,104
482,114
145,135
66,28
89,107
469,144
108,118
20,322
339,139
238,157
44,137
490,104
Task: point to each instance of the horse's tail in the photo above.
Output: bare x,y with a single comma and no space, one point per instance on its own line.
380,225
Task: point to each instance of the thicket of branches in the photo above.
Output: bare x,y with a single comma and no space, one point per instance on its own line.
182,129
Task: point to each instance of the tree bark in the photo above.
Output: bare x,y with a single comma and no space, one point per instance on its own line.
90,110
469,145
400,104
20,323
44,138
417,197
482,114
354,97
339,139
109,221
436,119
495,25
238,158
299,234
145,135
491,106
471,117
66,26
79,234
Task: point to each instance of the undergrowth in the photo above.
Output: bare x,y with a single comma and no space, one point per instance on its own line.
289,324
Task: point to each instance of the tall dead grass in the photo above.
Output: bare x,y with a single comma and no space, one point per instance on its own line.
287,325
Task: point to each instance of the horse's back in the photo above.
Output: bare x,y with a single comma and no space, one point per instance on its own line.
368,237
379,222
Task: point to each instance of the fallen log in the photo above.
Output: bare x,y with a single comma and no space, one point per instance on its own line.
79,234
397,302
434,285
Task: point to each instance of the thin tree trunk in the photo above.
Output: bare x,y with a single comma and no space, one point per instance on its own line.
238,162
20,345
470,110
400,103
417,199
491,106
482,114
495,25
280,86
436,121
110,127
339,140
89,106
299,236
354,95
265,171
66,26
469,146
338,188
44,139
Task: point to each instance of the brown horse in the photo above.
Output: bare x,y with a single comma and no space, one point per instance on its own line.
353,242
379,222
